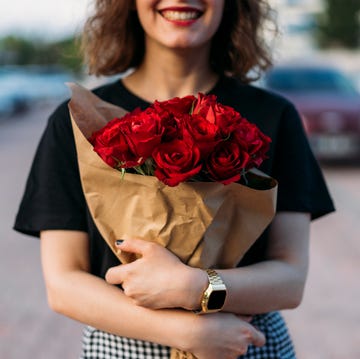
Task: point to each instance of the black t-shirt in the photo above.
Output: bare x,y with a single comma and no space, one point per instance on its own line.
53,197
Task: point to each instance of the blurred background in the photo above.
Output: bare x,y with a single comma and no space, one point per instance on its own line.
317,66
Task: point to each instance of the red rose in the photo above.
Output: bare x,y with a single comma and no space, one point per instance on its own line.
177,161
225,117
204,106
175,105
253,140
172,113
227,163
112,144
144,131
205,133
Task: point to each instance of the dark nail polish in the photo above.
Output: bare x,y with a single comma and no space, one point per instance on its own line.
119,241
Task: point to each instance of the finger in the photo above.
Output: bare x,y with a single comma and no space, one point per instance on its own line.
258,338
115,275
132,245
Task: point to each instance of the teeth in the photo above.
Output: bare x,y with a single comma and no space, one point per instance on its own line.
180,15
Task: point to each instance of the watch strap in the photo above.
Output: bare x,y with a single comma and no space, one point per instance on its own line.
214,278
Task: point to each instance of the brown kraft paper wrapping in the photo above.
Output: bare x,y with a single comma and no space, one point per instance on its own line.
206,224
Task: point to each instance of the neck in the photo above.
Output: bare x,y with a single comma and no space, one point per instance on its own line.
167,74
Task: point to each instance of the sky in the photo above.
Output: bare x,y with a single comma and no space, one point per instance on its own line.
43,18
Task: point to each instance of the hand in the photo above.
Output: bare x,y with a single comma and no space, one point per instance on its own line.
222,335
158,279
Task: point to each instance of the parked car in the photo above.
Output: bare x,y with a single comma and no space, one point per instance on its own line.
329,104
21,87
12,103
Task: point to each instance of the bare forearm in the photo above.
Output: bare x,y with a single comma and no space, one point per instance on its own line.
263,287
91,300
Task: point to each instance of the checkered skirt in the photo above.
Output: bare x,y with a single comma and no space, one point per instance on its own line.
101,345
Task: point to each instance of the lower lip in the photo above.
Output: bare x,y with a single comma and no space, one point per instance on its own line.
183,23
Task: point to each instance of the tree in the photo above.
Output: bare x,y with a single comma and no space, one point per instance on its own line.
69,56
16,50
339,24
19,50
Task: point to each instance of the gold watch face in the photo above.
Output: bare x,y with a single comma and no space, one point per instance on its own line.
216,300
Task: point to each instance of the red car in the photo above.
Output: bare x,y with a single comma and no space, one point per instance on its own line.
328,103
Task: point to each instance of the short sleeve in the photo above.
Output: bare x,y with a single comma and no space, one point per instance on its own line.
53,197
302,187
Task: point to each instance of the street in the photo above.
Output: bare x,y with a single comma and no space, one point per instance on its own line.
325,326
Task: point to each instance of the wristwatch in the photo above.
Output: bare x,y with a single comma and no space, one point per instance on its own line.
213,298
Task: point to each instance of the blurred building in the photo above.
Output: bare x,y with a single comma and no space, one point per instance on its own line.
297,23
297,20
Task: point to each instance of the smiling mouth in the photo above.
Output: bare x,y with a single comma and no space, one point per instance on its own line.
180,15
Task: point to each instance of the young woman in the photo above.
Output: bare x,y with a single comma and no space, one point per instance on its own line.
175,48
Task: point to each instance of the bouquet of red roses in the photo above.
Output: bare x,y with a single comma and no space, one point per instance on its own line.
186,177
183,139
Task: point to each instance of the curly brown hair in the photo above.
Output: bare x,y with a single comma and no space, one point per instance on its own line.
113,39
